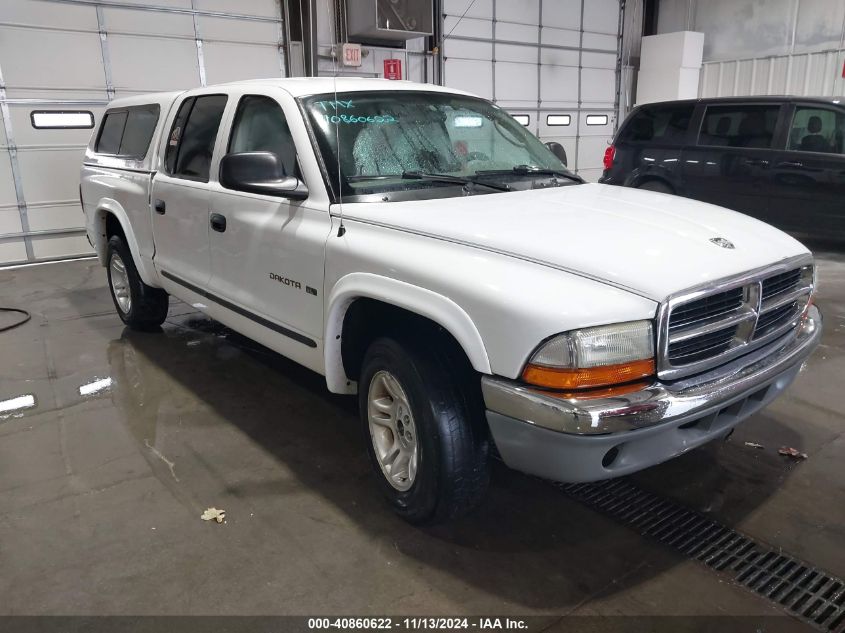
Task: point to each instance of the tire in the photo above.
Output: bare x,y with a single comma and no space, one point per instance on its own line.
146,307
656,185
445,413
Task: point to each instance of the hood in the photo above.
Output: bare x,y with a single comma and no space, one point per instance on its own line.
651,243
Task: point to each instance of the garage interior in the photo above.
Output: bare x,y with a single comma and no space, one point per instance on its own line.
113,442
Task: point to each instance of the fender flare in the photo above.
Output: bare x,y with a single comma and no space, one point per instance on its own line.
104,207
426,303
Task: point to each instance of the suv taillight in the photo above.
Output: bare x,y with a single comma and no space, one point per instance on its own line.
609,155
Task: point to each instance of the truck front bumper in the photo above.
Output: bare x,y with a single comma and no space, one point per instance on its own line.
587,439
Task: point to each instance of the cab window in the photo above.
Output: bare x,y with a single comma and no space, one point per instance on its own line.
190,145
260,126
817,130
750,126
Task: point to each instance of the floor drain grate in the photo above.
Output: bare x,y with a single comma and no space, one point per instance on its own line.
807,592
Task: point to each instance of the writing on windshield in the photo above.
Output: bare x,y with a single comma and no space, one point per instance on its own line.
368,137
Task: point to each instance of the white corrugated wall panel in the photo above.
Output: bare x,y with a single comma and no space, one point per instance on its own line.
53,54
805,74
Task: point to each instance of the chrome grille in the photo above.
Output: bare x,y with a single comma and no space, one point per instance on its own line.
706,308
700,347
706,327
780,283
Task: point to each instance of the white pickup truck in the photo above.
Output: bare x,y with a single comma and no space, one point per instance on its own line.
419,247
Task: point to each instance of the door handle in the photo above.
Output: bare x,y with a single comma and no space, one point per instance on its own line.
218,222
160,206
790,164
757,162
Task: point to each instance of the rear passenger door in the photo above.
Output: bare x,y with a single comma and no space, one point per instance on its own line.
808,177
730,164
180,194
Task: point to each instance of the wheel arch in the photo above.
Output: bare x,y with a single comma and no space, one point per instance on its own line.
652,177
108,211
419,302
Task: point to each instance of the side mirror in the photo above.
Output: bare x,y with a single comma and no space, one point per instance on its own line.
557,150
260,172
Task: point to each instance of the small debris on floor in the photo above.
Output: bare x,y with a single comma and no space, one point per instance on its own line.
754,445
215,514
792,452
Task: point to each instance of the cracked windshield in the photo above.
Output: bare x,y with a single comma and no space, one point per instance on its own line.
410,141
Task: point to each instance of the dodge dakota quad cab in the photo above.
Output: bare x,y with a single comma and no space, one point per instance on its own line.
419,247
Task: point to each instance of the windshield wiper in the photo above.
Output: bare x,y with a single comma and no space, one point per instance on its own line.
530,170
458,180
357,178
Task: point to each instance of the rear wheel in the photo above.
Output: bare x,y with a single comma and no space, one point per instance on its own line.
421,425
138,305
656,185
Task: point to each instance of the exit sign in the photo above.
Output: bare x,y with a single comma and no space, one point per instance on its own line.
351,54
393,69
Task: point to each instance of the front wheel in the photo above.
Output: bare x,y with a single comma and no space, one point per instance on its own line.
138,305
421,424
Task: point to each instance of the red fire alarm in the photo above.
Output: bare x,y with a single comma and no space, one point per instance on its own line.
843,69
393,69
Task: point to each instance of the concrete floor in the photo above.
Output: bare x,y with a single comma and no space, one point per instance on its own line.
101,494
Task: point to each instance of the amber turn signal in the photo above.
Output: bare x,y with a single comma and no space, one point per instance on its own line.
567,378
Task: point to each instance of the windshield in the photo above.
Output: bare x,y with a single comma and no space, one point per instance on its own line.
397,141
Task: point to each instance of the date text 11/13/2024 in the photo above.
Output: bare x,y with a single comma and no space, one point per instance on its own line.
419,623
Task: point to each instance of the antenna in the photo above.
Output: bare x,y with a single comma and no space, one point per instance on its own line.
341,229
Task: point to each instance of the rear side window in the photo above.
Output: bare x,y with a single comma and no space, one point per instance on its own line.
817,130
739,126
128,131
111,132
176,134
667,125
191,142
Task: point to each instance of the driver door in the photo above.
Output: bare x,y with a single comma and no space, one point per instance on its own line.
267,252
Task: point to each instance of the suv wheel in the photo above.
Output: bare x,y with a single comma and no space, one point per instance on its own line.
138,305
422,429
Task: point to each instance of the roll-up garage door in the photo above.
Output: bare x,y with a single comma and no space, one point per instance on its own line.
61,61
551,63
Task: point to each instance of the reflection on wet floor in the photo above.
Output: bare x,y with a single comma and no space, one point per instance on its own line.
130,436
14,406
98,385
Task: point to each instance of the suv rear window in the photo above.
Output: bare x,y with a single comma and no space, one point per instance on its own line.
664,124
817,130
128,131
739,126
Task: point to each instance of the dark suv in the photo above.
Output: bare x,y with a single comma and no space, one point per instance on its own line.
780,159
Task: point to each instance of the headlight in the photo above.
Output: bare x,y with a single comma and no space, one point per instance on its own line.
594,357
